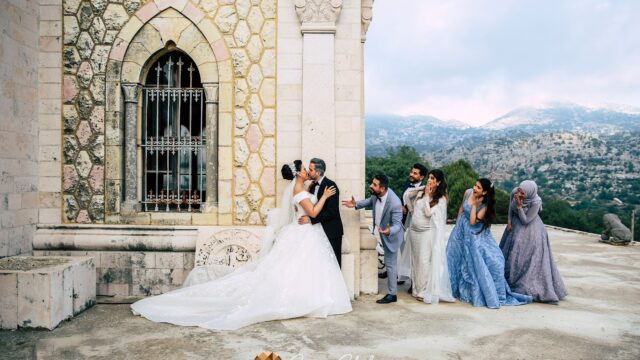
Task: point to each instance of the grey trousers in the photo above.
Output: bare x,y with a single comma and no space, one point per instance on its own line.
391,263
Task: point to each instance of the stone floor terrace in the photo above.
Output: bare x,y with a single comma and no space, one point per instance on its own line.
599,320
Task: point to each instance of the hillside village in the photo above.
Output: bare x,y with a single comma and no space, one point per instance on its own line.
572,166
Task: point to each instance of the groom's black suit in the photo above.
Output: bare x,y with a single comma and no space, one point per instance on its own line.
330,219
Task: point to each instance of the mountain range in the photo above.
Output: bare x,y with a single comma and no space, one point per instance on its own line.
572,149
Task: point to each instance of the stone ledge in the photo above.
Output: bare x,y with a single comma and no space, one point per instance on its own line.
115,237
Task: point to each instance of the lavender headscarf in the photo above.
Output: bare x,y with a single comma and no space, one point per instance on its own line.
530,189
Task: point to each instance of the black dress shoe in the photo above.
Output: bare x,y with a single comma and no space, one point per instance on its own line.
387,299
382,275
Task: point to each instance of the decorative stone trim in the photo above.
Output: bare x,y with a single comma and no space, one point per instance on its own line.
318,16
366,12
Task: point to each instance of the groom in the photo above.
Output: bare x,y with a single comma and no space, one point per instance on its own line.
387,220
329,216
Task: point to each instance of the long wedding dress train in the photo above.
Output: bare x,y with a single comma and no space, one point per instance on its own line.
298,277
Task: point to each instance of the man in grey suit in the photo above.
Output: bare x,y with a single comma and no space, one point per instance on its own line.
387,220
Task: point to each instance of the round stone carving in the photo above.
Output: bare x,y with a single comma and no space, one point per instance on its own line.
232,247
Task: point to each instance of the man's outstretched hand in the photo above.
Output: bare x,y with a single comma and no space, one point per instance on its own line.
349,203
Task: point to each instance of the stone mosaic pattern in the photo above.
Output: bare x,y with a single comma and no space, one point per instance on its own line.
249,28
91,29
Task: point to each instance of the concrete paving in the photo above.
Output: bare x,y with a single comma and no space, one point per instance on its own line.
600,319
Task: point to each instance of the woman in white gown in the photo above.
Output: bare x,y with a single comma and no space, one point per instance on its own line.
297,274
427,237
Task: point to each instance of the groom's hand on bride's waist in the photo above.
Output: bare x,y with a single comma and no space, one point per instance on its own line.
304,220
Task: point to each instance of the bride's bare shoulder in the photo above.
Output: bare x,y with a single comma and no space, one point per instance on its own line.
300,192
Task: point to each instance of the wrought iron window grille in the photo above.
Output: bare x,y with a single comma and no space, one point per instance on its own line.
173,141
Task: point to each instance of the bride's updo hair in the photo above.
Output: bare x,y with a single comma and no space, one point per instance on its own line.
287,171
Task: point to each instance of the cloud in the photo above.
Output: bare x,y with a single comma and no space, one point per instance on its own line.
475,60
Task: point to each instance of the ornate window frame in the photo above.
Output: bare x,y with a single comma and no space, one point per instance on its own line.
147,35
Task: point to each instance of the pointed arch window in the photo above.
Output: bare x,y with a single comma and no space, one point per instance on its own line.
173,136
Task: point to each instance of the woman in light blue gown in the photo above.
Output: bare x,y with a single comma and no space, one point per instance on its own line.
476,264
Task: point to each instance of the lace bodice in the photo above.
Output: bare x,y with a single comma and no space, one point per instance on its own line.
298,198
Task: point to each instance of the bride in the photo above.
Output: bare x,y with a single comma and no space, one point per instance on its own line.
296,275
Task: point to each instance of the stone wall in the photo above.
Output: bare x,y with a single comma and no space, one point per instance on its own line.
18,125
97,33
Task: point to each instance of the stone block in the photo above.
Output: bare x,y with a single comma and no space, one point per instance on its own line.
225,219
113,289
136,218
209,218
368,271
51,28
49,216
169,260
146,12
144,260
114,275
225,124
84,286
348,272
41,291
189,260
9,303
115,259
49,184
160,218
128,31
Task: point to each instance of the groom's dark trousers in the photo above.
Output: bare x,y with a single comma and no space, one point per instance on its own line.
330,219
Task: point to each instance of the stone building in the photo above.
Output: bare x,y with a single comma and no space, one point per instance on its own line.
131,130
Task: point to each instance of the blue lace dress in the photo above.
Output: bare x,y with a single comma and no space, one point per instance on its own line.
476,265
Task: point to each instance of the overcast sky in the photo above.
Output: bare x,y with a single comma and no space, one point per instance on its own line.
474,60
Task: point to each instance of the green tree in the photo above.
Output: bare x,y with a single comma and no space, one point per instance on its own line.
502,206
396,165
460,176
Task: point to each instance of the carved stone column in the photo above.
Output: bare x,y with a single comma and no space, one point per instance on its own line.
318,16
211,101
131,95
318,27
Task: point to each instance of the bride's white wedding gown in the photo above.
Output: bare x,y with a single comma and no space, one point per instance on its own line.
298,277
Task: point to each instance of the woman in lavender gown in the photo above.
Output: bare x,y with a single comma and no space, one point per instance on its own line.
476,264
529,265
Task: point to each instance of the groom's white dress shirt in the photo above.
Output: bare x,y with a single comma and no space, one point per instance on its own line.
315,191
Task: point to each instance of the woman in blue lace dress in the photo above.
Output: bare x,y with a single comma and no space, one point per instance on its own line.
529,265
476,264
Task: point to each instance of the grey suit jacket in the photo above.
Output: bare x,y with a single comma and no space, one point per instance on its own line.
391,215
